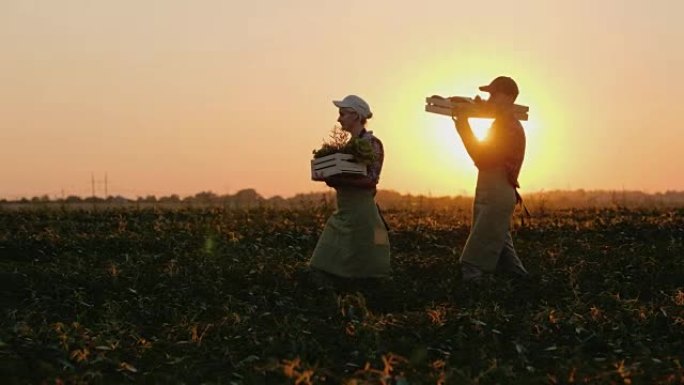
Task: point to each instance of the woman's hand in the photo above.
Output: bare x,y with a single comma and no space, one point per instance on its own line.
343,180
334,181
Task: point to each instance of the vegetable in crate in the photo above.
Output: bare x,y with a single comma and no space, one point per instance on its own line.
338,142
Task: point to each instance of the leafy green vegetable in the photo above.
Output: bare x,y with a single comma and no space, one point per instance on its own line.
339,142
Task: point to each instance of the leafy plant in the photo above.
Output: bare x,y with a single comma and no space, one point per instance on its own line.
219,296
339,142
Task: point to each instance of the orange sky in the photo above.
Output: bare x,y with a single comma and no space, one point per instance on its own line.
188,96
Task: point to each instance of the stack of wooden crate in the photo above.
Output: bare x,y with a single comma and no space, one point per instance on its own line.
334,164
474,108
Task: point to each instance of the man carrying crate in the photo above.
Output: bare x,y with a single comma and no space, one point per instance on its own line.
498,159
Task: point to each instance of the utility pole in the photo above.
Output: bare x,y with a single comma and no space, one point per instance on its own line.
106,193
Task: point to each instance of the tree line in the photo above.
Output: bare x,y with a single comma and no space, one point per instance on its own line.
387,199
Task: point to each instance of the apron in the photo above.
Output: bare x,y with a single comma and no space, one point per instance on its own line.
490,237
354,243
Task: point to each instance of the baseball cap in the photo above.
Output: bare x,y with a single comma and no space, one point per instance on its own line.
502,84
355,103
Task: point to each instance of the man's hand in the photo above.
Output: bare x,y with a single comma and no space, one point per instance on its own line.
461,122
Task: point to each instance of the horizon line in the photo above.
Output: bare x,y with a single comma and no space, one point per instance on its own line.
53,196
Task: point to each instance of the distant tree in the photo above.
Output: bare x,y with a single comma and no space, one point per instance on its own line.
170,199
41,199
73,199
205,197
247,198
117,199
276,202
147,199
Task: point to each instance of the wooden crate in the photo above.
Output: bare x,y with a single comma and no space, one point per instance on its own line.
334,164
447,106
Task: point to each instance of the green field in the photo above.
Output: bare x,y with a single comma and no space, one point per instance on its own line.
215,296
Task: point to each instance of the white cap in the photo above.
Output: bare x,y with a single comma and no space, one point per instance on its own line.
355,103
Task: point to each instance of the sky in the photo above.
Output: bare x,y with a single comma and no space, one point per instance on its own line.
168,97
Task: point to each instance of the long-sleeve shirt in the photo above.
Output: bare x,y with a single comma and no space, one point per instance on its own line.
504,146
373,170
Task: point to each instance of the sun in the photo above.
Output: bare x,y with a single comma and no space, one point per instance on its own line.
426,152
480,127
446,129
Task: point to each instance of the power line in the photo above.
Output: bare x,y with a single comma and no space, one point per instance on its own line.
94,182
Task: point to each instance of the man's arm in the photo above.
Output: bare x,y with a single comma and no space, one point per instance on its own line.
483,153
469,140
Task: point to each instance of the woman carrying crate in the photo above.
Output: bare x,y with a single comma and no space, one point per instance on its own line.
355,243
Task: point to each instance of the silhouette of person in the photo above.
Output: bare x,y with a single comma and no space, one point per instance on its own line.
355,242
498,158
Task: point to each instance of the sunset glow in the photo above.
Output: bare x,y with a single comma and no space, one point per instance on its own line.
224,96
